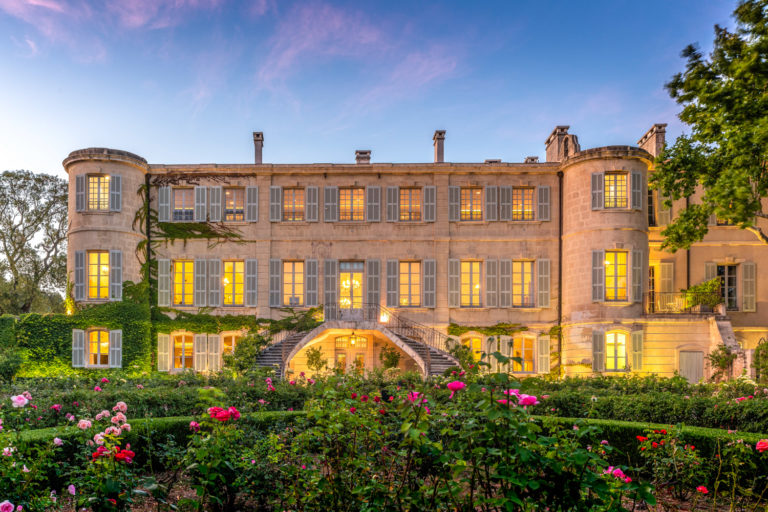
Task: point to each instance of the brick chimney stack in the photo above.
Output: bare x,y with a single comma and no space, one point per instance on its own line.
363,156
258,146
439,143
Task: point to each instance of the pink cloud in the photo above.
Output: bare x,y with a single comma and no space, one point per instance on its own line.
134,14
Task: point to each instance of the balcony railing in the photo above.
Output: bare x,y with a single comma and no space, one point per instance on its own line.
680,303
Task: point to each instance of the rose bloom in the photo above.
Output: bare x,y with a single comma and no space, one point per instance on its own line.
112,431
126,427
222,415
762,445
234,413
364,398
56,407
96,388
120,406
71,489
352,409
377,399
57,441
98,439
194,426
19,401
83,424
6,506
104,380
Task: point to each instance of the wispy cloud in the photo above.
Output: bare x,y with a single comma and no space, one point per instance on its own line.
155,14
27,46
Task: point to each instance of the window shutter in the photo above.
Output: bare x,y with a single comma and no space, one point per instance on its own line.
712,220
505,203
505,283
115,193
491,203
310,286
392,283
163,352
598,351
598,276
252,204
214,211
164,283
80,193
164,204
373,269
312,204
393,204
430,203
275,275
543,363
664,216
201,352
78,348
79,275
454,203
637,276
115,275
667,277
200,204
597,191
454,283
331,204
544,202
116,349
331,285
491,283
543,272
429,283
748,285
214,283
710,270
214,353
251,283
373,204
201,288
637,350
275,204
637,190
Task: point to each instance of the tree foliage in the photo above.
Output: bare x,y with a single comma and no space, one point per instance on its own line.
725,105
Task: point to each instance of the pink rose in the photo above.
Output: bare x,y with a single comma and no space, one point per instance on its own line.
6,506
57,441
104,380
527,400
234,413
83,424
125,427
762,445
18,401
96,388
194,426
120,406
71,489
56,407
352,409
455,386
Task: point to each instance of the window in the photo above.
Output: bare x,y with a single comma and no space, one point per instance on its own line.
359,363
98,348
719,221
98,193
471,203
522,284
183,282
615,275
522,203
293,204
182,351
183,204
98,275
233,279
351,284
293,283
353,341
410,204
410,283
351,204
470,283
228,343
615,351
342,341
616,190
475,345
651,208
234,204
341,362
727,275
523,349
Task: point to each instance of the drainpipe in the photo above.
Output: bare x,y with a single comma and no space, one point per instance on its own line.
560,271
687,256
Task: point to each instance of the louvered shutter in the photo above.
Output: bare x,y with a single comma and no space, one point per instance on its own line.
214,211
251,283
749,286
252,204
115,193
331,204
710,270
491,204
543,273
598,351
637,190
201,352
275,204
80,193
429,283
201,194
597,191
115,275
505,203
393,204
214,353
544,203
637,350
664,216
164,204
666,277
214,283
275,275
201,286
78,348
454,283
79,275
312,204
491,283
392,283
637,276
310,283
164,283
598,276
116,349
454,204
505,283
543,360
712,220
373,270
430,203
163,352
330,284
373,204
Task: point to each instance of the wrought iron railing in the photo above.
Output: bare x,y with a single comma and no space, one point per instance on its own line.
680,302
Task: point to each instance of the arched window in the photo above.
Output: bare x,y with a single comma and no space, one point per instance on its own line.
615,351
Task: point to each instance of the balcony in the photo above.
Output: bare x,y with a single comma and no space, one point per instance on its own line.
675,303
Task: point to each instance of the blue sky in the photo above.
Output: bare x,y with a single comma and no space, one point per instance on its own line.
187,81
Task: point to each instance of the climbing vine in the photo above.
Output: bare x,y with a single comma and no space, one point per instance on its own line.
500,329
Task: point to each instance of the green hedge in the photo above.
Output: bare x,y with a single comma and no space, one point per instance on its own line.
7,331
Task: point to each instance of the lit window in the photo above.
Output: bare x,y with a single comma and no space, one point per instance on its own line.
351,204
615,275
183,204
410,204
475,345
351,284
233,282
410,283
293,204
523,349
98,193
470,283
183,282
293,283
522,203
471,203
341,362
615,351
182,351
353,341
616,190
234,204
342,341
359,363
98,348
229,342
98,275
522,283
727,275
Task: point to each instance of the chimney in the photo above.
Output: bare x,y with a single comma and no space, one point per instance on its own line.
363,156
531,160
560,144
439,144
493,160
258,145
654,139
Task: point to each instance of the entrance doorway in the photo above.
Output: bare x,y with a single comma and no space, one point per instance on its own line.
351,353
351,289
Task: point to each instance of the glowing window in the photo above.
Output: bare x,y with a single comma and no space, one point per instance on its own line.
471,203
182,351
341,362
183,282
342,341
98,275
615,351
353,341
233,280
293,283
293,204
359,363
616,190
522,203
98,193
470,283
228,343
410,204
522,284
410,283
98,348
523,348
351,204
183,204
615,275
351,284
234,204
475,344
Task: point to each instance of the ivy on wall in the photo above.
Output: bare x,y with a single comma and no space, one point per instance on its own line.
500,329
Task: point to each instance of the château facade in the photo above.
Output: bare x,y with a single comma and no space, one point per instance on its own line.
394,253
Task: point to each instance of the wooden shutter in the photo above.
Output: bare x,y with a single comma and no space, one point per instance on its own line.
597,191
454,283
252,204
200,348
543,360
373,270
80,193
251,282
710,270
275,204
201,286
598,276
664,216
491,283
505,283
393,277
491,203
393,204
115,275
636,179
429,284
598,351
312,204
78,348
310,283
637,350
749,286
214,211
543,273
164,204
214,283
115,193
275,280
164,283
544,203
79,275
214,353
712,220
454,204
116,349
430,203
667,277
637,276
330,284
373,204
331,204
163,352
505,203
201,194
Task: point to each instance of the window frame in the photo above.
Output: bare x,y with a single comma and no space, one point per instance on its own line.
191,358
467,199
88,353
102,191
234,275
524,340
238,210
474,343
188,213
616,358
293,284
99,276
731,301
518,298
612,201
294,209
617,277
235,336
355,204
527,211
191,284
408,289
473,284
411,201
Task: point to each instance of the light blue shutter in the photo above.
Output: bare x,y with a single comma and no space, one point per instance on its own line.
429,283
163,352
392,283
115,275
543,273
505,283
637,350
275,204
597,191
491,283
252,204
115,193
80,193
201,286
214,211
79,275
749,286
454,283
430,203
454,204
543,363
598,276
373,290
505,203
115,349
312,204
201,194
275,275
598,351
310,286
393,204
200,347
78,348
664,216
214,353
637,190
164,204
330,288
373,204
251,282
164,283
637,276
214,283
544,202
710,270
331,204
491,203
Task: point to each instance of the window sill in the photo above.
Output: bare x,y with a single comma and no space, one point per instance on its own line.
618,303
98,212
97,367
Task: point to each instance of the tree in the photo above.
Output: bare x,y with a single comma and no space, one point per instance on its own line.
725,104
33,234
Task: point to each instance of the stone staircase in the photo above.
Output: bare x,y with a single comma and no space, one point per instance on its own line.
272,356
438,360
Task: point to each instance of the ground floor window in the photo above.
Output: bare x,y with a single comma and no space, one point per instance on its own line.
183,351
523,350
615,351
228,343
98,348
475,345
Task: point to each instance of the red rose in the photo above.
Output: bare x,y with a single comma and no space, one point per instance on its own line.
377,399
354,395
364,398
234,413
382,411
223,415
641,438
